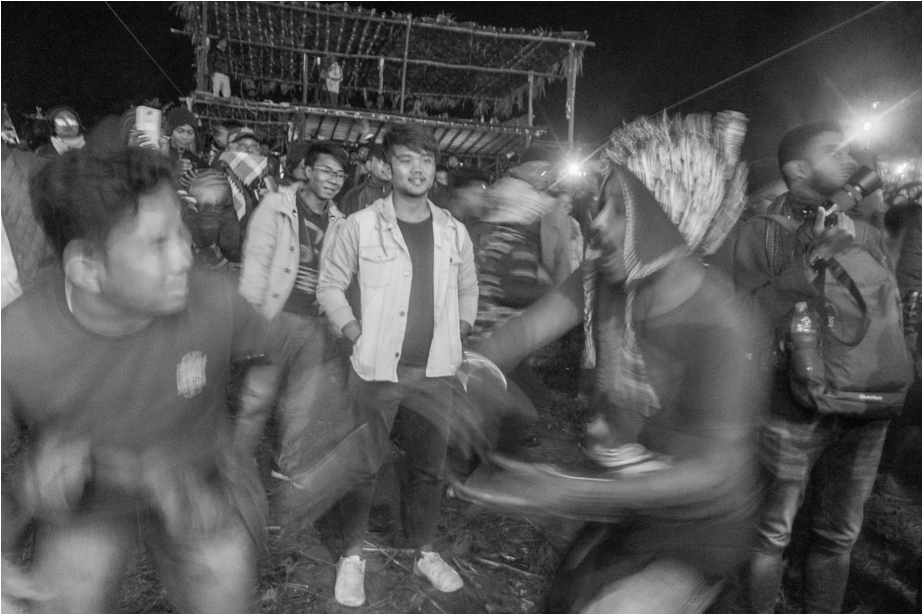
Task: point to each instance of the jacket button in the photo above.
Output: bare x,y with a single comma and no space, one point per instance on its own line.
288,270
403,313
291,249
397,355
275,295
377,257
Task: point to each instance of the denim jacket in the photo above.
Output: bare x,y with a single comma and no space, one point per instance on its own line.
272,249
369,245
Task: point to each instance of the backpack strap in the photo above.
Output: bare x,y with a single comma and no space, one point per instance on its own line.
842,276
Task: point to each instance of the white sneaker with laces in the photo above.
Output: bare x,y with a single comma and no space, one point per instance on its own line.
431,566
350,581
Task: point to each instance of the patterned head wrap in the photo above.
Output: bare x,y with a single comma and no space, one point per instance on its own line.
684,188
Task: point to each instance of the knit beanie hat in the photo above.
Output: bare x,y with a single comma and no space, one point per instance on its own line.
181,116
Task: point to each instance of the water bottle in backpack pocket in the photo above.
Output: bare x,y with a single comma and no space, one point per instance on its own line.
848,353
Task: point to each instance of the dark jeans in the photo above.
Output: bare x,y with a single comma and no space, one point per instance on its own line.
425,404
840,457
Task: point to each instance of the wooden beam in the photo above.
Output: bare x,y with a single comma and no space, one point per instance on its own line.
571,94
201,73
403,70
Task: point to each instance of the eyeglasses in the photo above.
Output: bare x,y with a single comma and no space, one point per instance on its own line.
330,173
65,121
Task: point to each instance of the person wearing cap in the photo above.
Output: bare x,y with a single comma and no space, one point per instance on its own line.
66,133
246,170
376,184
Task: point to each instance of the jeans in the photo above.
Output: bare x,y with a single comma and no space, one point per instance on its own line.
840,457
422,431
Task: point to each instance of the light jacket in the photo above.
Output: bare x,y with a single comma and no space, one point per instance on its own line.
272,249
369,244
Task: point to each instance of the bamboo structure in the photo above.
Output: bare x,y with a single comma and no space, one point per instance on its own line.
400,64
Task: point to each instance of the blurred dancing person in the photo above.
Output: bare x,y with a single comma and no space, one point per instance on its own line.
415,266
666,537
117,367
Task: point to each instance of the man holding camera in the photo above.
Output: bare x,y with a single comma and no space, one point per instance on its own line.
781,259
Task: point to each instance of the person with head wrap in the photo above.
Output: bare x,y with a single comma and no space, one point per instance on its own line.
66,133
677,377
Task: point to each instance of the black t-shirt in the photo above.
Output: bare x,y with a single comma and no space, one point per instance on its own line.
421,312
312,228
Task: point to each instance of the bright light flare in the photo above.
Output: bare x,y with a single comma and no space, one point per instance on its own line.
573,168
867,126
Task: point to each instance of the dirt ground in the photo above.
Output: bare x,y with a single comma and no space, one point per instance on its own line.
506,562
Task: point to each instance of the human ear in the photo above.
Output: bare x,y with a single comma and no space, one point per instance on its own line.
83,265
795,170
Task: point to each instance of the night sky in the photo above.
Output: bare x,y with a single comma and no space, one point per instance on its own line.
647,57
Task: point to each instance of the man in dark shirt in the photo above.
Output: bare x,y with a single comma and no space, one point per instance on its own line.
376,183
117,366
415,268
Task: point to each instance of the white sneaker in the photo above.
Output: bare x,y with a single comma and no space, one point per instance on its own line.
431,566
350,581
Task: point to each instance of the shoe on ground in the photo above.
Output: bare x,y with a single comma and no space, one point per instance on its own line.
430,565
350,581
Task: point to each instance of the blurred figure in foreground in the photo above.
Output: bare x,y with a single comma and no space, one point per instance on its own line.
664,537
133,443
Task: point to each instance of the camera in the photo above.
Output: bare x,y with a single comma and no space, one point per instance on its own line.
860,184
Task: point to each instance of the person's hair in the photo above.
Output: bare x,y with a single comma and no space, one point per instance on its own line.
795,142
85,194
376,151
413,137
328,148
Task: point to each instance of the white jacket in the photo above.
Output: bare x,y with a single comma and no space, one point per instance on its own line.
272,250
369,244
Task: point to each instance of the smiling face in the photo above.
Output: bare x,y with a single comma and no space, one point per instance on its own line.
147,258
608,231
325,177
412,172
183,137
828,162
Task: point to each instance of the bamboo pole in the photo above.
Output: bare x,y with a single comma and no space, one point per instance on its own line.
531,106
403,72
305,77
571,94
201,73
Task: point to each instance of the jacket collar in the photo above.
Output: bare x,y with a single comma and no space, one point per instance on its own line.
384,208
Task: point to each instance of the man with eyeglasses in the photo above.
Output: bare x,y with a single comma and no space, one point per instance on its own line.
281,260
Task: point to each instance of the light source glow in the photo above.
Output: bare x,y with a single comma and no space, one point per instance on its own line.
866,126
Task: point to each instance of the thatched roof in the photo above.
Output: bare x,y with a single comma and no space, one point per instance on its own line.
448,63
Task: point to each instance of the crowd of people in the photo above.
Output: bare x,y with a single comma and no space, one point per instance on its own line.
351,297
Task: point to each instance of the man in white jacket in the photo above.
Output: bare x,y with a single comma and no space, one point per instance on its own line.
281,261
415,268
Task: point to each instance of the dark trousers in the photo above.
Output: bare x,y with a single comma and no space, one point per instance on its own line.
422,431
